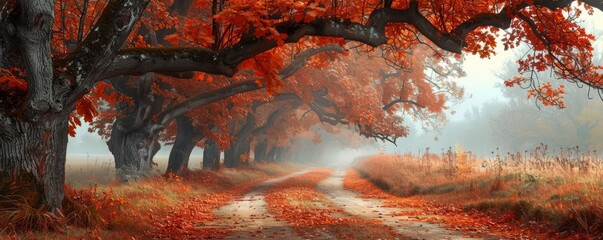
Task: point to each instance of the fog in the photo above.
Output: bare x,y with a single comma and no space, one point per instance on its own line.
334,150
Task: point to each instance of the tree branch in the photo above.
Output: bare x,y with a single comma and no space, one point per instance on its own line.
269,122
385,76
138,61
247,128
392,103
281,97
33,31
598,4
368,132
97,51
224,62
240,87
325,116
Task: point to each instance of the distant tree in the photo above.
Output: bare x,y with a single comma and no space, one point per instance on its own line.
523,123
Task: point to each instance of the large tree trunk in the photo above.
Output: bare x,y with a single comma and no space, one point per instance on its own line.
232,155
244,151
36,151
33,132
281,154
133,150
238,153
230,159
133,140
260,151
135,147
34,128
211,155
186,140
271,156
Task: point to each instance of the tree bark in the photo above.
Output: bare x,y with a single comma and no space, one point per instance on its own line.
34,34
244,151
211,155
134,137
33,133
38,150
281,154
230,159
186,140
133,150
133,140
271,156
259,153
232,155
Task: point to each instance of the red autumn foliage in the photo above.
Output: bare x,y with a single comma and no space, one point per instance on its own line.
292,200
13,86
556,41
186,220
93,208
12,82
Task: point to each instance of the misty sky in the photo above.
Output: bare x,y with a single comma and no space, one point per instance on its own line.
480,84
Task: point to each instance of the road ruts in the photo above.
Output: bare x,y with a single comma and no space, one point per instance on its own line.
352,204
248,217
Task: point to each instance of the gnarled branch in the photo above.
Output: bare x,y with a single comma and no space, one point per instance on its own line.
394,102
97,51
240,87
224,62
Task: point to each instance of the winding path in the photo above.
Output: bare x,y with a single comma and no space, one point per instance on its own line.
249,218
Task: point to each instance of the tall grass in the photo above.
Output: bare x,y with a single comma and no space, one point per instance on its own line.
564,190
88,170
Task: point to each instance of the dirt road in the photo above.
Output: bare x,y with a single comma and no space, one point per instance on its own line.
249,218
406,225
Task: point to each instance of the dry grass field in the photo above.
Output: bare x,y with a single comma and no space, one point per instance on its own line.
86,170
562,192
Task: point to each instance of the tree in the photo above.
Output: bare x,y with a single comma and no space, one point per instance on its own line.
371,101
34,133
367,100
519,127
134,137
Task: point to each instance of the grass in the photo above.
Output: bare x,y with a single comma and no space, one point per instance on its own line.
87,170
105,209
565,196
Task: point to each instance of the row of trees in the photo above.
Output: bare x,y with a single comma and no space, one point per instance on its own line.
65,60
368,101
